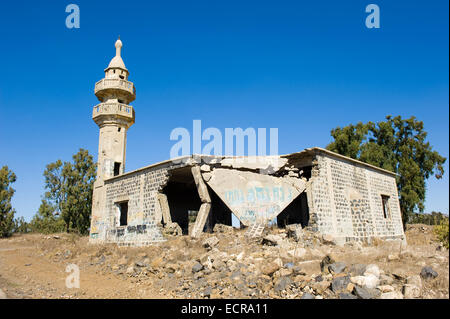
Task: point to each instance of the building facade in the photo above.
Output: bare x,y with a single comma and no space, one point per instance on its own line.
324,191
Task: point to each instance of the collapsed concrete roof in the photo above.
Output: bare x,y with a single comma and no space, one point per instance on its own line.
270,163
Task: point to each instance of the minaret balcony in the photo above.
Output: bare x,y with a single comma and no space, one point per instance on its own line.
112,113
108,87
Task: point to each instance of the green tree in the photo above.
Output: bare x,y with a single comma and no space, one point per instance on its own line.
398,145
69,190
21,226
46,220
7,177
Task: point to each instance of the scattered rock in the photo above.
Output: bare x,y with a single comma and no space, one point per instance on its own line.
131,270
140,264
122,261
220,228
357,269
411,291
346,295
392,295
197,267
210,242
307,296
297,252
393,258
270,268
365,293
294,231
326,261
339,284
369,281
386,280
337,268
172,229
318,278
428,273
372,270
414,280
385,288
271,240
328,239
282,283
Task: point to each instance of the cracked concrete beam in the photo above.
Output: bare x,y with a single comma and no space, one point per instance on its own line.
201,186
164,207
200,221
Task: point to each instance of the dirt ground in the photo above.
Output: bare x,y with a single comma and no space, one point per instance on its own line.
34,266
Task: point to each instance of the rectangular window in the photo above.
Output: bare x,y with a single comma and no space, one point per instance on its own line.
123,208
116,168
385,202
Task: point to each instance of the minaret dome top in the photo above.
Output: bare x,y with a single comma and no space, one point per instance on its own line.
117,61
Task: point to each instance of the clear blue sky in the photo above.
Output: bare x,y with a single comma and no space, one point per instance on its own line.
304,67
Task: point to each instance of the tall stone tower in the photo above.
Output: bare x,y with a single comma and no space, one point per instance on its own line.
113,116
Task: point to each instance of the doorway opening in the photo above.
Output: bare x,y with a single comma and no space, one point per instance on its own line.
182,196
297,212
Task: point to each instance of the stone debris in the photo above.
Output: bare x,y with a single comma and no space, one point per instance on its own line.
210,242
428,273
172,229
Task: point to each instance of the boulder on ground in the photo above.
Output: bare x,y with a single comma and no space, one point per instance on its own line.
339,284
337,267
326,261
210,242
411,291
372,270
172,229
428,273
365,293
269,269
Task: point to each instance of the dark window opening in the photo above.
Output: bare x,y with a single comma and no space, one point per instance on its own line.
122,77
118,130
123,208
120,101
297,212
385,201
116,168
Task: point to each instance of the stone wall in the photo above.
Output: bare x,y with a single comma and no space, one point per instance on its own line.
139,189
346,200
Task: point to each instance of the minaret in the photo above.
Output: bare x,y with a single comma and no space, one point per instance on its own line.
113,116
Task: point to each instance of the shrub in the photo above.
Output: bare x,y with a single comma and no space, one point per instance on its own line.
441,232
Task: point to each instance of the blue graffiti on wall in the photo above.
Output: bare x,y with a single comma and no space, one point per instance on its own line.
258,195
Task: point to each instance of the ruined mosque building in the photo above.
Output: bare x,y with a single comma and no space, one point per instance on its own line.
324,191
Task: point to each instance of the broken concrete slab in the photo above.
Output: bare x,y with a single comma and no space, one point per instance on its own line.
252,197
